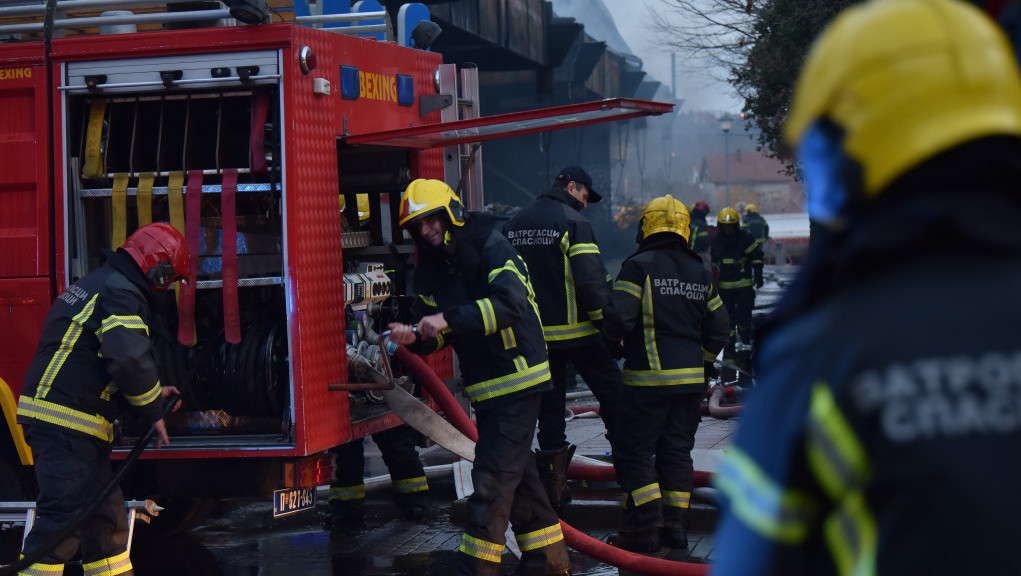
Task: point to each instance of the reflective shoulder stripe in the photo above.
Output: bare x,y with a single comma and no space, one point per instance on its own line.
147,398
540,538
676,499
523,378
119,564
762,504
481,549
488,315
44,411
673,377
841,466
646,494
411,485
561,332
345,493
131,322
427,300
628,288
74,331
586,248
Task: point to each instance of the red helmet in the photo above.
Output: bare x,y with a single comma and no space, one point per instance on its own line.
160,251
701,205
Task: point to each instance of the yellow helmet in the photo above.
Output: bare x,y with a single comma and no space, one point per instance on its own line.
751,208
728,216
904,80
665,214
424,197
363,206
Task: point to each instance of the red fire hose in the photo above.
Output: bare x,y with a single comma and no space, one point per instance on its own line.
575,539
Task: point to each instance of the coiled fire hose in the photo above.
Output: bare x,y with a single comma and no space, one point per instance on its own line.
129,461
575,539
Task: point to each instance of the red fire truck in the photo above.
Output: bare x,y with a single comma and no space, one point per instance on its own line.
245,137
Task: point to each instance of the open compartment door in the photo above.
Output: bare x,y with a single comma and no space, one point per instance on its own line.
513,124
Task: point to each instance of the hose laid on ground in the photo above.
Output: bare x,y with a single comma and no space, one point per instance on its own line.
718,411
129,461
575,539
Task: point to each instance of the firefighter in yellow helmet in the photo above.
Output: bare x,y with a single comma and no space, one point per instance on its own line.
882,389
754,224
737,261
665,308
474,294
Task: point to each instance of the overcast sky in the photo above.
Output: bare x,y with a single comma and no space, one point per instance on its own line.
698,91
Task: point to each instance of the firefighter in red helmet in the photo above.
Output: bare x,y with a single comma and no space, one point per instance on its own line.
474,294
95,353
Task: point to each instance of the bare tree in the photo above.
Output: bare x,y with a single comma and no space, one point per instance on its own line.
713,37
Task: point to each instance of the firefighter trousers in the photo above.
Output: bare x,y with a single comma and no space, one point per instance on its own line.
602,375
72,471
661,424
397,446
507,488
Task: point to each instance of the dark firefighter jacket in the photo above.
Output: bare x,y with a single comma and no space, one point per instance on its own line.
95,346
698,238
666,309
856,437
485,296
757,226
737,257
571,285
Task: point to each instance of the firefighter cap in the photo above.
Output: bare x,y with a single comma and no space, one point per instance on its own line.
579,175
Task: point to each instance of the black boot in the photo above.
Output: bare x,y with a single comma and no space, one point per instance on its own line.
553,466
673,537
646,541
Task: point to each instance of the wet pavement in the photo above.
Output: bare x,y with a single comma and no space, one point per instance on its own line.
244,539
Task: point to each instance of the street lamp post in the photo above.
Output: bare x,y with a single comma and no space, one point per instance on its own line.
726,121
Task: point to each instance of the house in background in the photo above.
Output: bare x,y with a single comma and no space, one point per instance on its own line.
754,179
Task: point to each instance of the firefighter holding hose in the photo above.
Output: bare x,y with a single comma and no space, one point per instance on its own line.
867,436
474,294
94,355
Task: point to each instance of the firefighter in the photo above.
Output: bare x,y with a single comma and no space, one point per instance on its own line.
906,120
737,260
571,287
474,294
410,486
699,229
666,308
754,224
95,352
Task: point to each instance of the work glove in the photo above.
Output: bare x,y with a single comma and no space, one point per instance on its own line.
758,279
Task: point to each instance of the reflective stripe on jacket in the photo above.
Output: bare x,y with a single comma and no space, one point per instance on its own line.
667,310
567,272
736,257
484,293
94,345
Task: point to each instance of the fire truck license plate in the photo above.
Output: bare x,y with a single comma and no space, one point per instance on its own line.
292,500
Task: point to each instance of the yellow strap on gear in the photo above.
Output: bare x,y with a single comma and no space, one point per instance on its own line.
93,138
144,198
175,197
119,232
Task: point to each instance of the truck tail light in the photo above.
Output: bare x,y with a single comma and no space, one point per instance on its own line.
309,471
